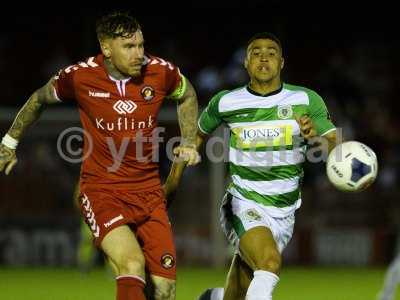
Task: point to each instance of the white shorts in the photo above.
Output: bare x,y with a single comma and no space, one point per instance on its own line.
238,216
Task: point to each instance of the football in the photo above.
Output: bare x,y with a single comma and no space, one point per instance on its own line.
352,166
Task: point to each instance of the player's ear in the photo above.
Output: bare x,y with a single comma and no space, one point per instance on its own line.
282,63
246,62
105,48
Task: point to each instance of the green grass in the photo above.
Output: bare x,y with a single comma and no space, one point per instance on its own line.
296,284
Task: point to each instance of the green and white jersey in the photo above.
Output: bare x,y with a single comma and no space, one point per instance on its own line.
266,151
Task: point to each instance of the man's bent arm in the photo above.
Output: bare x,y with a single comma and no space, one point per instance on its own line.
332,140
177,169
187,116
32,110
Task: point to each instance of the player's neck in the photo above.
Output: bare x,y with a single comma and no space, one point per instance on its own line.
264,88
112,70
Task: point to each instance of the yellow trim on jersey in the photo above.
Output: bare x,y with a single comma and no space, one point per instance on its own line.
180,90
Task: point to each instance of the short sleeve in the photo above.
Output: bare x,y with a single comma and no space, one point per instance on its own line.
210,118
319,114
175,82
64,84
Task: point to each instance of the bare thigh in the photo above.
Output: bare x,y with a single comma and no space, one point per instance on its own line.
124,252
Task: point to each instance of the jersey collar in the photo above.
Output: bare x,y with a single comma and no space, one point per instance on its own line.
263,95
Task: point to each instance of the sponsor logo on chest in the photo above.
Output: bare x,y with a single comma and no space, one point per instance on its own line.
263,136
125,124
124,107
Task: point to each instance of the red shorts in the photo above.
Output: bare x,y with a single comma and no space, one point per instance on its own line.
144,212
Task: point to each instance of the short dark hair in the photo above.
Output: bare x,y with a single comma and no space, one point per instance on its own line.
116,24
265,35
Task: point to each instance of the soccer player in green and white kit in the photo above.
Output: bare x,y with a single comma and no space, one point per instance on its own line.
270,124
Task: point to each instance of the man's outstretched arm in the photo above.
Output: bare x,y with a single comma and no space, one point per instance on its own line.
32,110
28,114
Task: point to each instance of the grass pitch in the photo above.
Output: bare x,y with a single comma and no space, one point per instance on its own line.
297,283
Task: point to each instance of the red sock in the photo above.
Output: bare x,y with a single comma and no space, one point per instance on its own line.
130,287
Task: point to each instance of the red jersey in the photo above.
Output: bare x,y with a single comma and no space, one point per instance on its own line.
118,117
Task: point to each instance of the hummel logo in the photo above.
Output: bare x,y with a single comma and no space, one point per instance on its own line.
99,94
112,221
124,107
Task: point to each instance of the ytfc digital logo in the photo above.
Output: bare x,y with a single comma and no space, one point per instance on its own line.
125,107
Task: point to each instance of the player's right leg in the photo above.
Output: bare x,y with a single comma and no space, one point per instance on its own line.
259,250
123,250
107,217
260,238
86,252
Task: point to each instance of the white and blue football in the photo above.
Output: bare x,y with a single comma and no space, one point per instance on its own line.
352,166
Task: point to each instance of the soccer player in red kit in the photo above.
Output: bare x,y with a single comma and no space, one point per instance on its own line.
119,93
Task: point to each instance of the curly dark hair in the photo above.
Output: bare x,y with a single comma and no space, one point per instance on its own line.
116,24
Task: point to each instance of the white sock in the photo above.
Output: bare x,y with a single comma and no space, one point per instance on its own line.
217,294
262,286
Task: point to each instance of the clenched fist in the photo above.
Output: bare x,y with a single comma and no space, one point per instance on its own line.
188,154
306,125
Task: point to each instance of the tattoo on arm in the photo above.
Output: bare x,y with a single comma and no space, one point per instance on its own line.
29,113
32,110
5,153
187,115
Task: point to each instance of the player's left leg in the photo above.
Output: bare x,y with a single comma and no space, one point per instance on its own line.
392,279
212,294
238,279
164,288
236,285
158,247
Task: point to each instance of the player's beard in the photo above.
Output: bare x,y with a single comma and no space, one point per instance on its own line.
135,73
135,70
115,70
